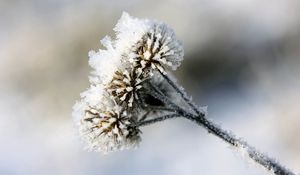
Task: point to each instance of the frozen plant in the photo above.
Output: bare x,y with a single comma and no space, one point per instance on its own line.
132,87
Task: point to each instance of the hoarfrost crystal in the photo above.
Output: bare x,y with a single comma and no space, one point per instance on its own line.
108,131
104,62
157,49
104,127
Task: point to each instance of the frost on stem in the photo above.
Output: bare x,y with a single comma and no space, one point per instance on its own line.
258,158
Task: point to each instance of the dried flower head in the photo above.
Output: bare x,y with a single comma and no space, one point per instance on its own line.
124,87
108,131
104,126
157,49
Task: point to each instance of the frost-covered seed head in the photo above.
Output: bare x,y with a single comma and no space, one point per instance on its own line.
156,50
108,131
124,86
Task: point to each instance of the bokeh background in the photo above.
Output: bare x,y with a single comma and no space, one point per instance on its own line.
241,60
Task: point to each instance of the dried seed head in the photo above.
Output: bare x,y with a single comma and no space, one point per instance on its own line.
108,131
156,50
101,123
124,87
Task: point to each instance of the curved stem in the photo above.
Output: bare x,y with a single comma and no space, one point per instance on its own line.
258,157
200,118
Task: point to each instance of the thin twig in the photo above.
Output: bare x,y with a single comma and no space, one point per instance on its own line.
158,119
144,116
160,108
258,157
183,94
156,93
140,101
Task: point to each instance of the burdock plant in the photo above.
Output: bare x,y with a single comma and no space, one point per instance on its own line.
132,87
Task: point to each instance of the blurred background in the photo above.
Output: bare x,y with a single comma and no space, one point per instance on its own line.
241,60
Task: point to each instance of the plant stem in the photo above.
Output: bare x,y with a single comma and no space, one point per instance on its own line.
156,93
158,119
180,91
258,157
200,119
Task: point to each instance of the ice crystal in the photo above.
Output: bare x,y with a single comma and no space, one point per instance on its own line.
104,62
